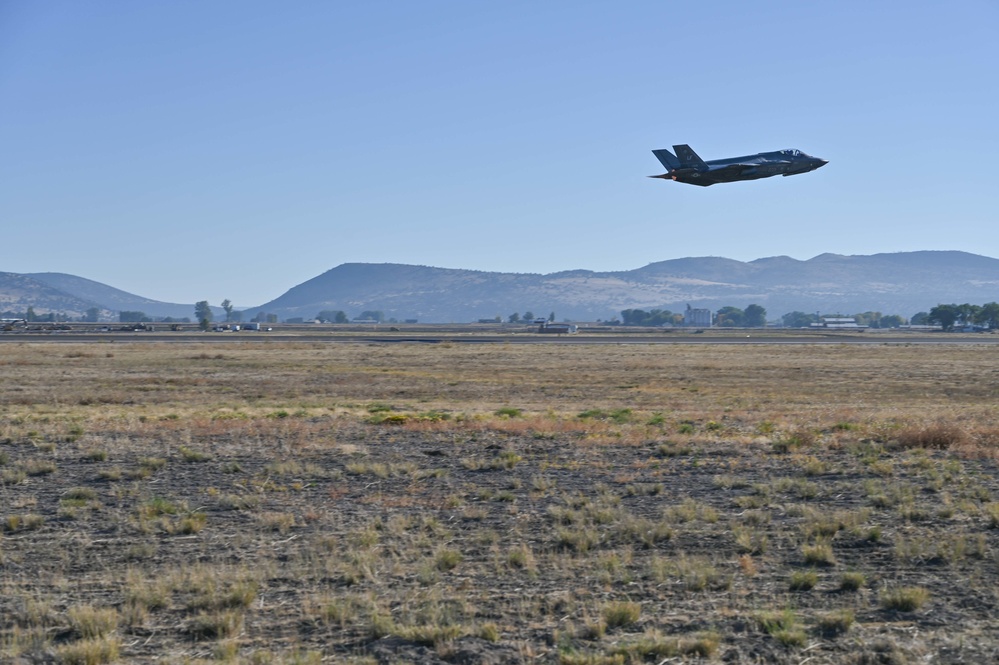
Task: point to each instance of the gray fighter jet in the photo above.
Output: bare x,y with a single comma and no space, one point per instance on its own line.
687,167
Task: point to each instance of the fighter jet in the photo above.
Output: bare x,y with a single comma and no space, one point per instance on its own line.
693,170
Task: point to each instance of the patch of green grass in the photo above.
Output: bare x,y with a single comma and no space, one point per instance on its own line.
111,474
384,418
13,476
574,658
27,522
80,493
430,635
520,557
152,463
672,449
619,614
509,412
691,573
190,455
90,622
791,441
191,523
215,625
852,581
238,501
577,540
749,540
904,599
691,511
619,416
489,631
818,554
157,506
447,559
991,511
39,467
835,623
656,648
783,627
803,580
96,651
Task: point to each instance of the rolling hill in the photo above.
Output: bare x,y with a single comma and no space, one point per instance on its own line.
72,296
18,292
111,298
901,283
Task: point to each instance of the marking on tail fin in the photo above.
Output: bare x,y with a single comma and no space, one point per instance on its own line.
688,157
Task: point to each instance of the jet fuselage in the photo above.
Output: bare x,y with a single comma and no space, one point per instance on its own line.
687,167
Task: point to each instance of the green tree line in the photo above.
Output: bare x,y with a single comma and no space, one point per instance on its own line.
949,316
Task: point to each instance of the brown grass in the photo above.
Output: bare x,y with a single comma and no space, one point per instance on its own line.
297,502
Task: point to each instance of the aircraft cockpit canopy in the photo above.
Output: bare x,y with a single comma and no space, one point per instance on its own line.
790,152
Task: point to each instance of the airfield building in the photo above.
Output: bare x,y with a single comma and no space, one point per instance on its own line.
697,318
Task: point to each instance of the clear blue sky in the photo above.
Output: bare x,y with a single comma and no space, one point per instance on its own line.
206,150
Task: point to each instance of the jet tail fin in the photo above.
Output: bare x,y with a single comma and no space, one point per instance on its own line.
689,158
667,158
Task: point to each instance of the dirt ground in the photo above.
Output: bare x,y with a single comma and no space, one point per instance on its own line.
363,504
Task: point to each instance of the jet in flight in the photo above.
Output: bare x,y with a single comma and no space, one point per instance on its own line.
687,167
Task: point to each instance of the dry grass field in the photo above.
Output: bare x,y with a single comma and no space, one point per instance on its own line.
279,502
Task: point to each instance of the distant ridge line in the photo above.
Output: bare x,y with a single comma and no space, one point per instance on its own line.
892,283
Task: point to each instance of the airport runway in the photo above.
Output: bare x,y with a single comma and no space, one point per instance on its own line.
761,338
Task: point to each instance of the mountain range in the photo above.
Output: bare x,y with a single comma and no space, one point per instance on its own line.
73,296
897,283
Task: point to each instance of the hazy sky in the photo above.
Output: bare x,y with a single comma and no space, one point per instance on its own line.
186,151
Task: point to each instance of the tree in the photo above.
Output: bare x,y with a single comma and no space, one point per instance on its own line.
755,316
798,319
374,315
92,314
332,316
203,313
529,316
988,315
920,319
514,318
551,317
944,315
227,306
892,321
126,316
634,317
639,317
30,315
969,313
660,317
869,319
729,317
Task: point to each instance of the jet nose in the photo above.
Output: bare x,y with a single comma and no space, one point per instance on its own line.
819,163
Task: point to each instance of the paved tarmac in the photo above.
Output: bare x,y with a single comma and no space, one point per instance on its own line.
776,337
